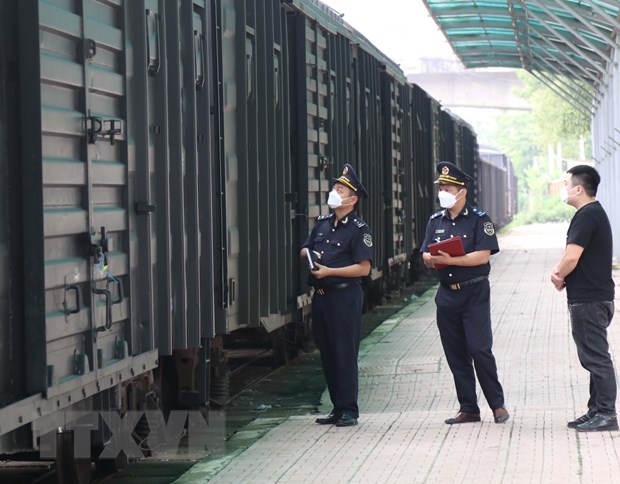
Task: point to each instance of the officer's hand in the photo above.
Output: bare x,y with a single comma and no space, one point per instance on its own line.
442,258
426,258
322,271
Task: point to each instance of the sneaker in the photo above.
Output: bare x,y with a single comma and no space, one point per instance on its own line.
578,421
599,423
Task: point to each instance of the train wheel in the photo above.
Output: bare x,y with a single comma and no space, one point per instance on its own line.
220,388
284,343
70,470
280,348
105,467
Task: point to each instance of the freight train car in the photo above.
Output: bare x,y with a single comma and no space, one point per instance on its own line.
498,189
494,188
109,214
161,163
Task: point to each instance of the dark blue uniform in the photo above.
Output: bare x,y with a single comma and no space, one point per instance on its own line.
337,305
464,309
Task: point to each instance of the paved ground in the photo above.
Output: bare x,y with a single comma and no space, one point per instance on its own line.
406,392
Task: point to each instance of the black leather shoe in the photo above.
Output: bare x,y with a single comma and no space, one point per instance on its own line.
583,419
329,420
598,423
500,415
463,417
346,421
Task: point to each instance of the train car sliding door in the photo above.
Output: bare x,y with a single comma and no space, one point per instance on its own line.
172,177
255,160
394,124
117,193
310,167
424,158
371,154
77,165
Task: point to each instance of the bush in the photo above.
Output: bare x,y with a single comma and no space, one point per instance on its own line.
549,209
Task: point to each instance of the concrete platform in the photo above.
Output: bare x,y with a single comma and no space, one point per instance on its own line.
406,392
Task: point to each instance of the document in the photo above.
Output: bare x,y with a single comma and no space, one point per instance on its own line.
452,246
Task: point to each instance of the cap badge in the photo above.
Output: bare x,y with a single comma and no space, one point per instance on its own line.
445,170
346,170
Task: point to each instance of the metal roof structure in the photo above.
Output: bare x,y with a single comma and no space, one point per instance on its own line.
566,44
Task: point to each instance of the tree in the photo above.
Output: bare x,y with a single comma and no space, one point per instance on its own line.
525,138
555,119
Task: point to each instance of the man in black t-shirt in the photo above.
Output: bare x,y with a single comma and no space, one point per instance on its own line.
585,272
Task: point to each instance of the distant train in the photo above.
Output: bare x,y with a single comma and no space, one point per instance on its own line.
497,189
161,163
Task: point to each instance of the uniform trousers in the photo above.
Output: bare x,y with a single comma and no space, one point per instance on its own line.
336,323
464,322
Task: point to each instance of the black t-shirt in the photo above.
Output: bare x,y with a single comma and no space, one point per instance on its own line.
591,279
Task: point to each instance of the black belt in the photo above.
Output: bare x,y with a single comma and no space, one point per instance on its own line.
461,285
324,290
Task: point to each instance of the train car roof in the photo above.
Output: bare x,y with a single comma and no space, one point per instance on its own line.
331,20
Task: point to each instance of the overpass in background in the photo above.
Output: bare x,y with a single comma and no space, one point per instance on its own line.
472,88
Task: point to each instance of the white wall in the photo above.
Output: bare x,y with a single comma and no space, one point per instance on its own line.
606,150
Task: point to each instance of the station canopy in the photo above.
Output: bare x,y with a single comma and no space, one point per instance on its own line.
566,44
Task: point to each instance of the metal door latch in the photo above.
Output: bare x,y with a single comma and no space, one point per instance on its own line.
106,128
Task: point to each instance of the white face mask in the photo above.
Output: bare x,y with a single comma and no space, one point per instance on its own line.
334,200
446,199
564,196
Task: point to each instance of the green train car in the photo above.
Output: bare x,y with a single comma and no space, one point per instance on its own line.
161,163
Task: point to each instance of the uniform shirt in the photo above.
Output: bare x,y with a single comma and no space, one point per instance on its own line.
591,279
477,233
341,243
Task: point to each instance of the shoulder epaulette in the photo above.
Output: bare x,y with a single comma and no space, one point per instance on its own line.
436,214
478,212
359,223
324,217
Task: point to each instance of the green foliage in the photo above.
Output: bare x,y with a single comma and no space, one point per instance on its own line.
515,132
525,138
549,209
556,120
541,206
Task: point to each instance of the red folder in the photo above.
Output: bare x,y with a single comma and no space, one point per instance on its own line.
452,246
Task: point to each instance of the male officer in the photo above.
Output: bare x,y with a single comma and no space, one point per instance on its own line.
343,242
463,297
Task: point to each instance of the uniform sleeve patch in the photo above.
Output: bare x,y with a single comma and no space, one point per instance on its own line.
488,228
368,240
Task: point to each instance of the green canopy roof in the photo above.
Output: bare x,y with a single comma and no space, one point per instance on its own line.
567,44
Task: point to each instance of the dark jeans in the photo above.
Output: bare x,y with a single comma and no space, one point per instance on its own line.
589,322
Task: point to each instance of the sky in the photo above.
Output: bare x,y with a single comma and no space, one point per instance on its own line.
401,29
